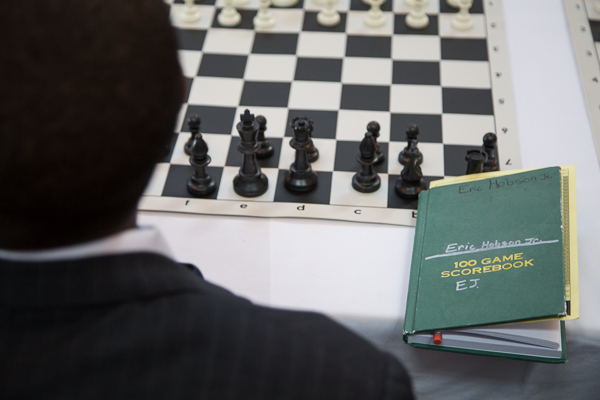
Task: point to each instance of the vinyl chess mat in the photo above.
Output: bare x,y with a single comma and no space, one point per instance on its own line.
455,85
584,24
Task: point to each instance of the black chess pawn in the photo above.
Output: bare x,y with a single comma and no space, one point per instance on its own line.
490,146
411,182
366,179
412,137
193,122
313,152
475,160
374,128
250,181
200,183
300,177
265,148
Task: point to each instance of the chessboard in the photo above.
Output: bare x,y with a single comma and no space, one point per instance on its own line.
584,24
454,84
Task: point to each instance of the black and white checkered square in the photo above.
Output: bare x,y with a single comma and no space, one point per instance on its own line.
341,77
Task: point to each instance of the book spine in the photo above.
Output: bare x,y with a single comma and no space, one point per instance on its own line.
415,267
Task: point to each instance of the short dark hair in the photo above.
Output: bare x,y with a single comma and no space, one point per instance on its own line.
89,94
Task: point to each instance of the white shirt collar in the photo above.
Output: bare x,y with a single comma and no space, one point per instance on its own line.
136,240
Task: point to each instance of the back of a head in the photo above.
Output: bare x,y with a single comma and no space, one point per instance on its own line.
89,93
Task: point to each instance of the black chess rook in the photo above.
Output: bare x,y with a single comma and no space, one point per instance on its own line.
475,160
374,128
412,138
250,181
490,146
366,179
300,177
193,123
313,152
411,182
265,148
200,183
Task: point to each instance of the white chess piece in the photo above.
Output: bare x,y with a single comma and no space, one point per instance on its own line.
597,5
328,16
323,2
416,18
229,16
240,3
264,19
285,3
463,19
190,12
453,3
375,16
411,3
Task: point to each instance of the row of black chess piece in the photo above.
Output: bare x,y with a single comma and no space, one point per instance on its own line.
251,182
410,184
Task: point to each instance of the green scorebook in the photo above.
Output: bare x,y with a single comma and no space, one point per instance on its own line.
488,251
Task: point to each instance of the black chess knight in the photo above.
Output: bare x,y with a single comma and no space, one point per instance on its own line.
300,177
250,181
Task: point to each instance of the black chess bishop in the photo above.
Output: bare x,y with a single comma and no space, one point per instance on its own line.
200,183
300,177
412,139
193,123
366,179
250,181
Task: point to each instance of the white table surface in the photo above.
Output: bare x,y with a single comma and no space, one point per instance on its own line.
358,273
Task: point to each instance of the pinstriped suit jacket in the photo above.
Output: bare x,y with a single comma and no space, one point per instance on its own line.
140,326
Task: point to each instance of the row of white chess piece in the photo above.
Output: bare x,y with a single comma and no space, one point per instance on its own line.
417,19
229,16
328,16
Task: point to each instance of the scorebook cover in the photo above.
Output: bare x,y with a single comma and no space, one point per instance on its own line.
488,251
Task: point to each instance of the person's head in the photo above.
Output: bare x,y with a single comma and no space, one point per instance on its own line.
89,93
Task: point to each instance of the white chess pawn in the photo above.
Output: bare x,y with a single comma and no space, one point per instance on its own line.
190,12
453,3
411,3
416,18
229,16
375,16
264,18
285,3
328,16
463,19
